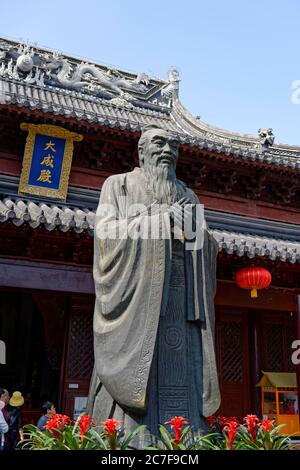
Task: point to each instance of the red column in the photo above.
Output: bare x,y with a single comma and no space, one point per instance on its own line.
298,365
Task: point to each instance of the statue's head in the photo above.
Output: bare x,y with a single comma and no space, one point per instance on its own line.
158,149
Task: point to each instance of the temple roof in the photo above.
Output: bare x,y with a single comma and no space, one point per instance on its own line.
41,79
68,217
278,379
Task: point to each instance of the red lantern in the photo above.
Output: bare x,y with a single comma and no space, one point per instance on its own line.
253,278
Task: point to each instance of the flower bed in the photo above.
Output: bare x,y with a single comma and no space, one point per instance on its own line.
226,434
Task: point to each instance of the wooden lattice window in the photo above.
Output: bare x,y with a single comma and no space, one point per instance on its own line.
80,355
231,351
274,347
278,333
291,335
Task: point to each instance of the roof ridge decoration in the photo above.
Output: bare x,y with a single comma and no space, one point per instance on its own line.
39,78
266,137
262,144
42,67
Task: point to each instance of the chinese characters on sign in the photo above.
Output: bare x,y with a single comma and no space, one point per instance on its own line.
46,163
47,160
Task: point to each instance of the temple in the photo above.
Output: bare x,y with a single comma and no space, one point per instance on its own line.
249,185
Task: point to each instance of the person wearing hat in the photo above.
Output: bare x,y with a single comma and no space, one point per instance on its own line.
14,410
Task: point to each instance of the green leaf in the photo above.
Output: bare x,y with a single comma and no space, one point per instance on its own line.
166,437
103,445
130,436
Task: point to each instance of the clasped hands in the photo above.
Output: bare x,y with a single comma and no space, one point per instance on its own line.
181,217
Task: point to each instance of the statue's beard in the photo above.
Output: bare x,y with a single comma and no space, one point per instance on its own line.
161,180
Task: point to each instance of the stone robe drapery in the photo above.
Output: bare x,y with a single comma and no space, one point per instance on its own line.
132,277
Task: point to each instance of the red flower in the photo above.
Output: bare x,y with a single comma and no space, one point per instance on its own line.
231,430
85,422
110,425
57,423
176,424
252,423
267,425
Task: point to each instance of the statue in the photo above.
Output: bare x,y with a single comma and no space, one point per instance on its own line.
266,137
154,311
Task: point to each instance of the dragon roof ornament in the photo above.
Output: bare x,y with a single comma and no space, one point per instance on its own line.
99,93
37,66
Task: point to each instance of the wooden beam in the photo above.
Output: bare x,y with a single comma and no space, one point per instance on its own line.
273,298
46,276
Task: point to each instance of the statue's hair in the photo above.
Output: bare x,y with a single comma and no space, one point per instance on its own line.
145,130
144,137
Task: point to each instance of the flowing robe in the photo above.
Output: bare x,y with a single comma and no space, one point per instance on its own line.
154,312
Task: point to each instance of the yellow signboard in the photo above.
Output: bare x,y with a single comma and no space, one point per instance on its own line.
47,160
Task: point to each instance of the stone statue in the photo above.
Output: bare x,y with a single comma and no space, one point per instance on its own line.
266,137
154,311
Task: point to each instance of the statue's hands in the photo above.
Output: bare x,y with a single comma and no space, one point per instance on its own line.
184,201
181,215
176,211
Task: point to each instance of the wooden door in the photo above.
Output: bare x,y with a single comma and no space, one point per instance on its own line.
79,353
232,350
277,332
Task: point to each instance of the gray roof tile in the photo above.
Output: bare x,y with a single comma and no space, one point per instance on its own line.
66,218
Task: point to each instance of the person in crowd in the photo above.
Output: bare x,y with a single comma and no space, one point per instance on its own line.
48,410
4,397
15,415
3,426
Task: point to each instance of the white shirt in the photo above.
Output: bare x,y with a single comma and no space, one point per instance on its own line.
3,428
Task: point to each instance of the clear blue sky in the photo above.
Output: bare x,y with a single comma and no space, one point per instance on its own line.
237,58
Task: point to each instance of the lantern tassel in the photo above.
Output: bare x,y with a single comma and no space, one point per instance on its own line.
254,293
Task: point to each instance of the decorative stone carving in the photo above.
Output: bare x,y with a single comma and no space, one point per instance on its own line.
35,77
172,89
25,63
266,137
59,67
25,59
33,65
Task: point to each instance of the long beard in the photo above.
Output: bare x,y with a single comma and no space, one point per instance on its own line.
162,182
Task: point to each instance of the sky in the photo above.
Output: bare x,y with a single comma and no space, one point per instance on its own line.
238,59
